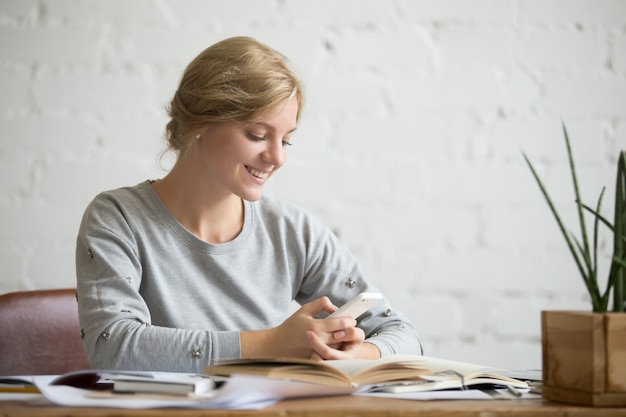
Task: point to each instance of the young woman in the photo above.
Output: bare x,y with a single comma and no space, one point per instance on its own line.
177,273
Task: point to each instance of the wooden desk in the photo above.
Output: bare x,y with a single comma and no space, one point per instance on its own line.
338,406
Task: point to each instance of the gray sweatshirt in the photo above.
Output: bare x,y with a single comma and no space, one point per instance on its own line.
153,296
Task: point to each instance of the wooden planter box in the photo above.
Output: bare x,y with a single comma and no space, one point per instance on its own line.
584,357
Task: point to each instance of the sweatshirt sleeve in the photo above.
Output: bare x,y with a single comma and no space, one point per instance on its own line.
332,270
115,321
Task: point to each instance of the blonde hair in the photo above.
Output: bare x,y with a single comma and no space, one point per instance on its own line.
232,80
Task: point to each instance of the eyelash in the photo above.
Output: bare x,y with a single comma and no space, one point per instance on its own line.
261,138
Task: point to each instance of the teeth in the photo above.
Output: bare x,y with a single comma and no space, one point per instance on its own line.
257,174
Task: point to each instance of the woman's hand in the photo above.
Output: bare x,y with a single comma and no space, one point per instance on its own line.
346,344
303,335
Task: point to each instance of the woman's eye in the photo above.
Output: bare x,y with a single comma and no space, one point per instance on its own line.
257,138
254,137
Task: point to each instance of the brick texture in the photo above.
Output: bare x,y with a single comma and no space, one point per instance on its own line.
410,146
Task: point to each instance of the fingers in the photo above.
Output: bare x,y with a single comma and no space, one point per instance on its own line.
349,335
321,350
322,304
351,340
323,338
334,332
316,357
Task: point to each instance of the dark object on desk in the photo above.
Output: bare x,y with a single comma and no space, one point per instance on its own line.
40,334
86,379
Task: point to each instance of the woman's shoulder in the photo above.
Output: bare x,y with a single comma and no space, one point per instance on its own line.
125,195
121,202
268,206
276,211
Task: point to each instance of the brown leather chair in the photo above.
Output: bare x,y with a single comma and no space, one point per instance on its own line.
40,334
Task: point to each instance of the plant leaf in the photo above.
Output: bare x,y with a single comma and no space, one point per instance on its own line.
618,270
590,281
579,206
597,214
596,225
555,213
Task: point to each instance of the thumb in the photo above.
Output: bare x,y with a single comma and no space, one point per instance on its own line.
320,305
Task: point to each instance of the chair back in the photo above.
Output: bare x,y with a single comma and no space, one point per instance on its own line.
40,334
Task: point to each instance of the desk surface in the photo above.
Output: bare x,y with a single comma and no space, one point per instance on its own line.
337,406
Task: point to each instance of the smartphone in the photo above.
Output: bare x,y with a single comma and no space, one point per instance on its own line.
358,305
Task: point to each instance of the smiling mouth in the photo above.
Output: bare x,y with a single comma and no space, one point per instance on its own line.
258,174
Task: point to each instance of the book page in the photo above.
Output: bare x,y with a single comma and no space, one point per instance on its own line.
388,368
338,372
357,371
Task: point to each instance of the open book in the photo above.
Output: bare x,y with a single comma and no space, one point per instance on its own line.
394,373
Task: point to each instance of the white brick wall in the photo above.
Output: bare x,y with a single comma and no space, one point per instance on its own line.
410,144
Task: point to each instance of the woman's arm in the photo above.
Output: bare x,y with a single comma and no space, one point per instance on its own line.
333,271
116,321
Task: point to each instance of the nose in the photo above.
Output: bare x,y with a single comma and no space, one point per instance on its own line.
275,153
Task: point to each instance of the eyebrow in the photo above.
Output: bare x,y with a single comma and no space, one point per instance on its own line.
270,126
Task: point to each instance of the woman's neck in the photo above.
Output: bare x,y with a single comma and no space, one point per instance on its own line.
211,215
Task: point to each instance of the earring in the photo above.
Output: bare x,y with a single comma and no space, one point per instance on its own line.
198,136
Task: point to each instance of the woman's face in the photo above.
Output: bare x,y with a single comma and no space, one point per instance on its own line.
239,157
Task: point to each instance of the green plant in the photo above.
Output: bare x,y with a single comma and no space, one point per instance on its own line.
586,254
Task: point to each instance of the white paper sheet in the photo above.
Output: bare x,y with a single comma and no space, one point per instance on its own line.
19,396
240,392
470,394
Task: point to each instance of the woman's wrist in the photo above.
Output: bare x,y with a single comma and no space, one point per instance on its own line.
369,351
256,343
